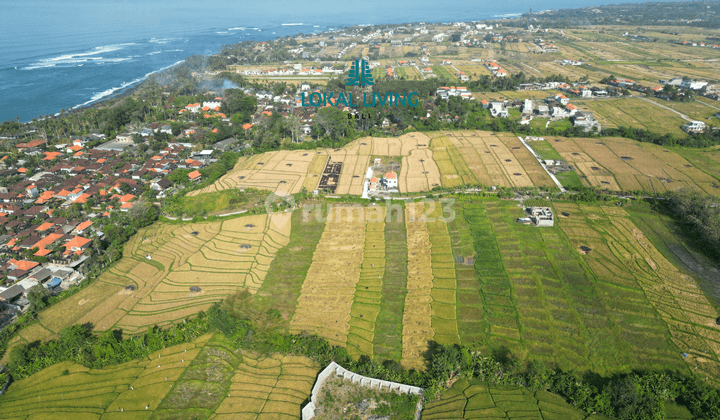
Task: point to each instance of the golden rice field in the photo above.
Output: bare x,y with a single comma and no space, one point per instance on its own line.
283,172
627,165
219,257
469,157
268,387
417,319
204,376
323,307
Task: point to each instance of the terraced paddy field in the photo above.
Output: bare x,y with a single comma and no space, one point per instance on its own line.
204,379
476,400
137,292
624,165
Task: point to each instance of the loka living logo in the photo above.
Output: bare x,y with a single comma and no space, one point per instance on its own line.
360,76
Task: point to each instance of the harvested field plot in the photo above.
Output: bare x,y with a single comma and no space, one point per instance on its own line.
268,387
420,172
327,293
417,316
280,172
622,164
454,171
219,258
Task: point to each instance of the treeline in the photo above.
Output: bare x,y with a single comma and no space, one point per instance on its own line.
700,214
637,395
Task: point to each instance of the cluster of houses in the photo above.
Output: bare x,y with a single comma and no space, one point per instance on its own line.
542,47
41,248
444,92
495,68
296,70
388,183
699,44
555,108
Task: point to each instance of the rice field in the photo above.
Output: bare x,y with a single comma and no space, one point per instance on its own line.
218,257
268,387
326,297
206,378
625,165
477,400
417,329
634,112
282,172
469,157
71,391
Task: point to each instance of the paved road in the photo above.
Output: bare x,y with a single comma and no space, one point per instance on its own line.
185,219
555,180
683,116
707,104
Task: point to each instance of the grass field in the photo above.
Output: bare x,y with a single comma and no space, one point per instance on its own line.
224,201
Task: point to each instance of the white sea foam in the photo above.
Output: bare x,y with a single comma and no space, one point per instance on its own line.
507,15
222,33
239,28
161,40
99,95
291,24
72,59
154,52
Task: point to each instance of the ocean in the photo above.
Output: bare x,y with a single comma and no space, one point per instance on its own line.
63,55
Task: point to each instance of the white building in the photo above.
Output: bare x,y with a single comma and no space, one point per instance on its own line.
694,127
212,104
390,180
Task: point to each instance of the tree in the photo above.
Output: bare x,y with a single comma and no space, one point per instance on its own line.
143,213
235,100
38,296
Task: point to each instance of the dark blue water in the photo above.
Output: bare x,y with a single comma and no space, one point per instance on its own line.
63,54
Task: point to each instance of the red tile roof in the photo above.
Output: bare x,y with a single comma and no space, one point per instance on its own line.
194,175
77,242
84,225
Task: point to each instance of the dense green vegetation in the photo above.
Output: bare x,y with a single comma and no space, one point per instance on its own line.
700,213
216,202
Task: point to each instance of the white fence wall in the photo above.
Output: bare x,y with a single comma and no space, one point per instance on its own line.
333,369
